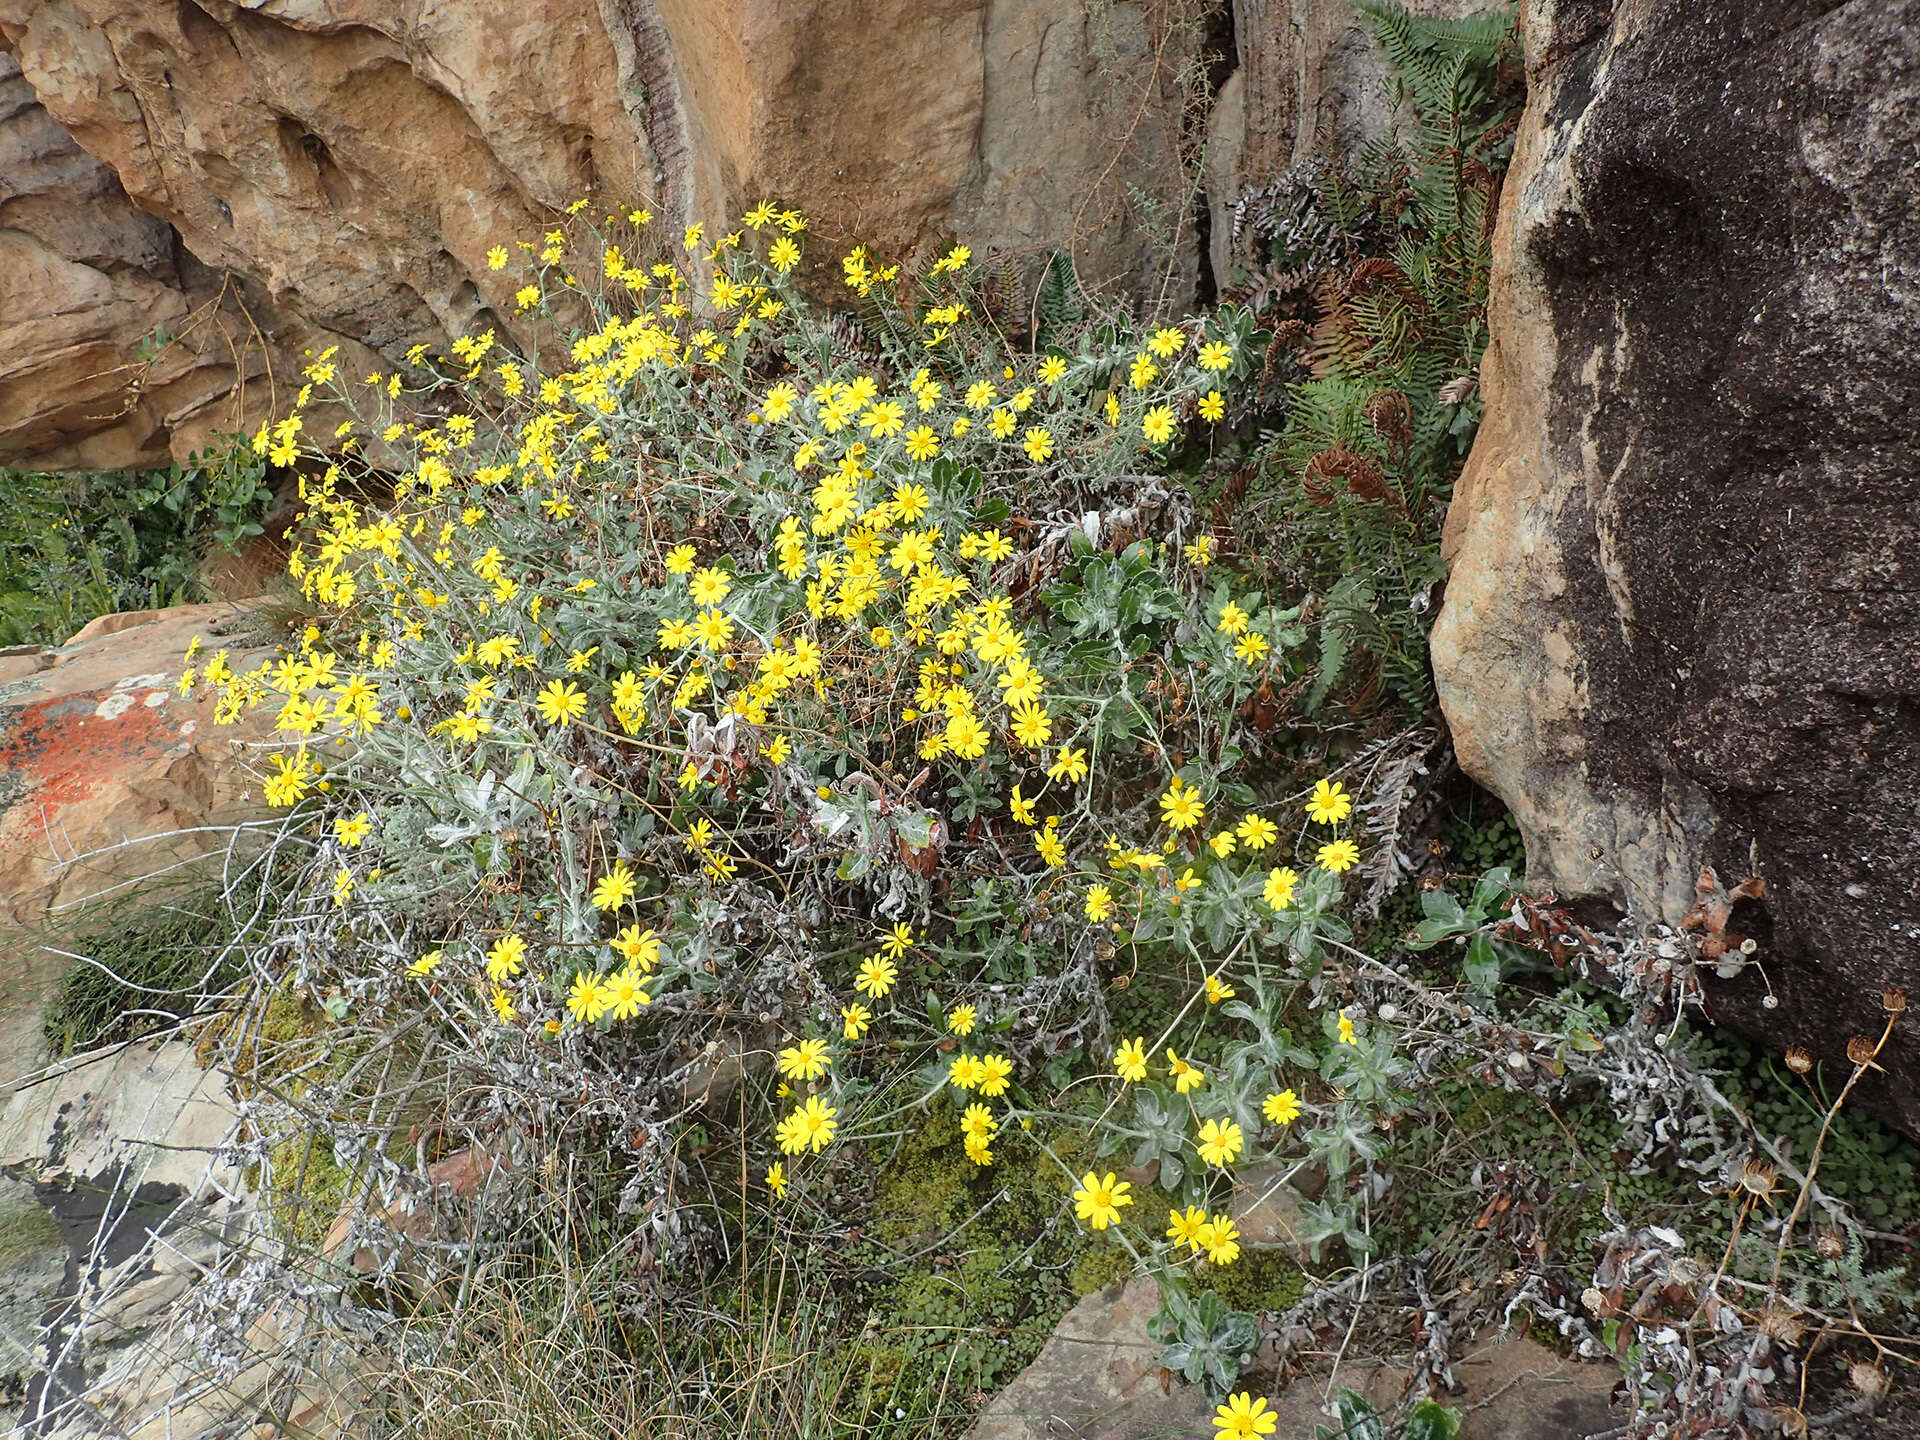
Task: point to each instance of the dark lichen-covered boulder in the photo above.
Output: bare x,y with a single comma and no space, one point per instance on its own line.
1683,623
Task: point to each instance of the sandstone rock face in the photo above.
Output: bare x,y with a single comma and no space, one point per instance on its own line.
88,286
114,1151
194,194
1681,625
1097,1378
1511,1388
158,1314
271,177
348,165
138,1290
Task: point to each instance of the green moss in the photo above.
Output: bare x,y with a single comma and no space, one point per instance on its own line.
870,1375
981,1262
288,1019
1099,1268
26,1230
310,1189
1259,1280
308,1186
924,1189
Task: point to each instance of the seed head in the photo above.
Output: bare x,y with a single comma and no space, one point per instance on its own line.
1893,1000
1756,1177
1860,1050
1783,1324
1868,1378
1828,1245
1799,1059
1685,1270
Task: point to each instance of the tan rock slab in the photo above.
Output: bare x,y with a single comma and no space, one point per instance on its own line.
1098,1378
107,773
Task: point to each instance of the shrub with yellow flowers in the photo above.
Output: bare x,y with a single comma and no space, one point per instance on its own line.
689,669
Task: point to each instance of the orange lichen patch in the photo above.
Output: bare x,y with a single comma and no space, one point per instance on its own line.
54,752
98,747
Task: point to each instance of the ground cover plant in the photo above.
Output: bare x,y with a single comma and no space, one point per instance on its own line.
145,961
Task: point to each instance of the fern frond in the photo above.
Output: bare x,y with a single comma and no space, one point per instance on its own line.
1059,306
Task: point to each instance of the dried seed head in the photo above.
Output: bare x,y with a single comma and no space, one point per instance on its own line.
1893,1000
1868,1378
1828,1245
1860,1050
1799,1059
1749,945
1793,1420
1783,1324
1687,1271
1756,1177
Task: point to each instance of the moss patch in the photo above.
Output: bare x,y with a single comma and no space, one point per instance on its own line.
982,1261
313,1188
26,1230
1259,1280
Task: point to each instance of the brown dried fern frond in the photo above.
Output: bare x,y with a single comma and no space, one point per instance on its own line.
1363,477
1390,414
1259,293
